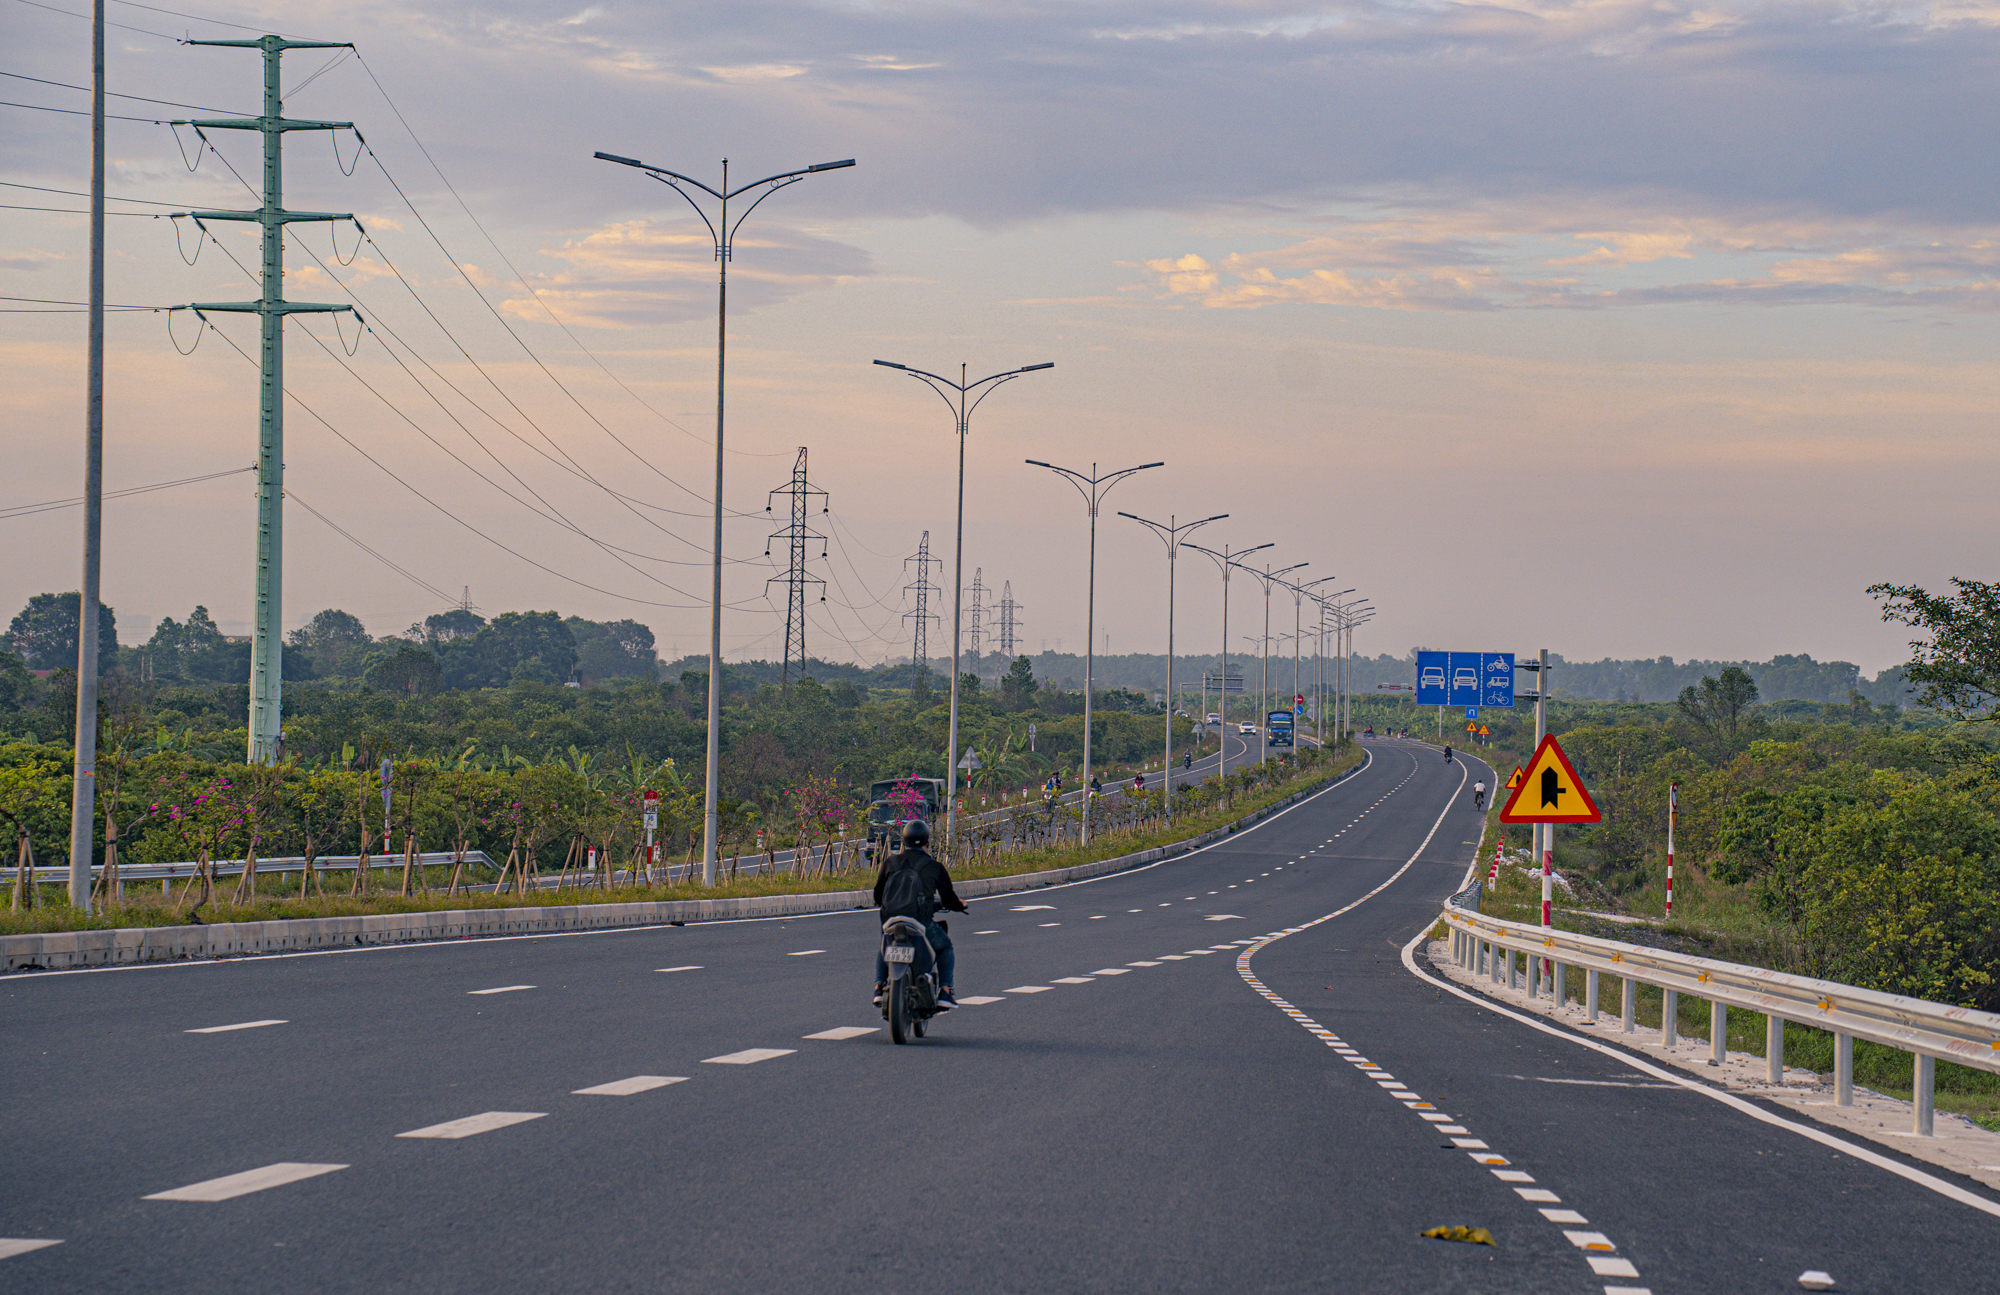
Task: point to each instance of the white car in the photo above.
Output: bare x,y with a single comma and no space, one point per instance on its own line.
1246,728
1466,678
1432,677
1213,718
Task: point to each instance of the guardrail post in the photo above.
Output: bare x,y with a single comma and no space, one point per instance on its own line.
1843,1070
1534,977
1920,1098
1631,1012
1590,993
1718,1032
1774,1049
1670,1012
1559,985
1479,954
1513,978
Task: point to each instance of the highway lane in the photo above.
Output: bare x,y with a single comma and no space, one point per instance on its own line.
1164,1128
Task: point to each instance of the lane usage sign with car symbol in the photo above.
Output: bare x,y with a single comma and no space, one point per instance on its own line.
1465,678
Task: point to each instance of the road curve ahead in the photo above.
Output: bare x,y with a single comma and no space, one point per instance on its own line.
1142,1094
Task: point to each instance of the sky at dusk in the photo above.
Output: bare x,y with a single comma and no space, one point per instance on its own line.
1621,328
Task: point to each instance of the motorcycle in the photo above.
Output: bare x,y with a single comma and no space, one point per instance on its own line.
910,999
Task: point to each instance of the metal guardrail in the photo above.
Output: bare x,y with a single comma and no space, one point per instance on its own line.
1496,948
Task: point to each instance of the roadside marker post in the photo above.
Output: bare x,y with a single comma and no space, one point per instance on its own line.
1673,812
652,804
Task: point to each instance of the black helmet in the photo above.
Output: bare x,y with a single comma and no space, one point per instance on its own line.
916,832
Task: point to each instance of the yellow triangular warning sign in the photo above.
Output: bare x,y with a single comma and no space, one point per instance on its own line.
1515,781
1471,727
1483,730
1550,791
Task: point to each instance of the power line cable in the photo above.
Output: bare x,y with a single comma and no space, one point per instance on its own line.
54,505
21,76
337,529
144,31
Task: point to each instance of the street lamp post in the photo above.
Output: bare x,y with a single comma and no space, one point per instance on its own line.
722,233
1093,488
1267,578
1170,535
1299,595
1223,561
961,414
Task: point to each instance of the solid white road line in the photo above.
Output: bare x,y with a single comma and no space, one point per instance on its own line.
748,1057
250,1180
503,989
11,1246
846,1032
243,1025
628,1087
484,1122
677,968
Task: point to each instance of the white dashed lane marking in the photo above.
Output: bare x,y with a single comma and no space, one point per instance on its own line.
243,1025
747,1057
805,953
846,1032
1112,971
629,1087
1028,989
230,1186
978,1000
11,1246
677,968
503,989
1072,980
485,1122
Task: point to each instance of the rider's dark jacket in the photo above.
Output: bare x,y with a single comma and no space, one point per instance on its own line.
928,868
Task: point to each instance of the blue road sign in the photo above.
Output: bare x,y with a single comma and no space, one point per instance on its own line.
1469,679
1472,712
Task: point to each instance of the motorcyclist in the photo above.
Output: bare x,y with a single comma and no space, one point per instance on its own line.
1479,794
1096,786
937,887
1187,760
1447,754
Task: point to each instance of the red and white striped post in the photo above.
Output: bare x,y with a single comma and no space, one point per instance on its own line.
1673,811
1499,844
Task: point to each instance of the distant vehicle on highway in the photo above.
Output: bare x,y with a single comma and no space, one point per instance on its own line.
1246,728
1432,677
1466,678
1213,718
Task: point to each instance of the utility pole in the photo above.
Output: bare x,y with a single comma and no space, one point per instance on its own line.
1009,610
83,782
923,589
266,630
795,578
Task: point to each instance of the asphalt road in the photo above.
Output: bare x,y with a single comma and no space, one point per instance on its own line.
1139,1107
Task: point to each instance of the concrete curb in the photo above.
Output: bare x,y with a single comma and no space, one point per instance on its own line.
63,950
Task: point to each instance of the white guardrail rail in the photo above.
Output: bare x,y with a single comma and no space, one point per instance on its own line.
1517,952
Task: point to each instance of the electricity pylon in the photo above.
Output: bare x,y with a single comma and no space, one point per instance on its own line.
795,578
976,625
923,589
266,641
1008,608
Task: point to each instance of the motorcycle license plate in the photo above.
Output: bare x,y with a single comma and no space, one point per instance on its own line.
900,953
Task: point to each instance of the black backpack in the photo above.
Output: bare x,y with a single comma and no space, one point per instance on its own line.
905,893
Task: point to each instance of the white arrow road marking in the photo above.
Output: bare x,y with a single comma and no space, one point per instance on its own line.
250,1180
244,1025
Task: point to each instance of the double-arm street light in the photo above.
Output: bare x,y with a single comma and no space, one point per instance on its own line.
1093,488
961,413
1319,680
1170,535
1299,594
722,233
1267,578
1345,618
1224,561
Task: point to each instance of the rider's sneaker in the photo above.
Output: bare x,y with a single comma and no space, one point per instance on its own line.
878,995
946,1001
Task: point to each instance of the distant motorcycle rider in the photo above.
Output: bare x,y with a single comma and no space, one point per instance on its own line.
932,891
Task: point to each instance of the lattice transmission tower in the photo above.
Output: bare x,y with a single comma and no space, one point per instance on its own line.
976,625
923,589
797,534
1008,623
